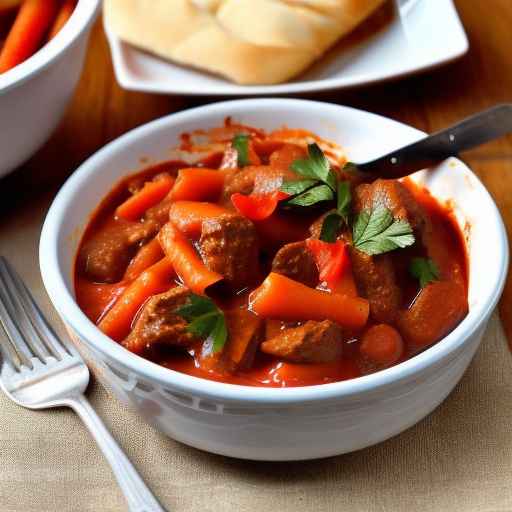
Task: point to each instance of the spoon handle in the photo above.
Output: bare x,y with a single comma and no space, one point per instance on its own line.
473,131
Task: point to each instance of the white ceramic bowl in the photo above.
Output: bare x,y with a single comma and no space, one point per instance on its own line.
277,424
34,94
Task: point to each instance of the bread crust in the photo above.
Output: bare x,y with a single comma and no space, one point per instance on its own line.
246,41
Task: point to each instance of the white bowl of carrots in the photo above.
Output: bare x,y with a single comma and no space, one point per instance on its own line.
268,423
42,50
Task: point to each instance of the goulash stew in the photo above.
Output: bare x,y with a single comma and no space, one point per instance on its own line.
265,260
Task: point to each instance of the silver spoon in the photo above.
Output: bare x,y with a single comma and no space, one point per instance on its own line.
473,131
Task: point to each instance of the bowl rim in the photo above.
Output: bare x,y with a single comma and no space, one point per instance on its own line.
83,15
72,315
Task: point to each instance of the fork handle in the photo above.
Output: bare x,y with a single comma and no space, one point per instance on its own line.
136,492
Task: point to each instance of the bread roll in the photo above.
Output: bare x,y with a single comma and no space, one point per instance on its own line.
247,41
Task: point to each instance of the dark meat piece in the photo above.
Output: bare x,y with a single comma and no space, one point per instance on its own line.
394,196
438,309
229,246
158,214
159,324
106,256
260,179
284,157
244,335
313,342
375,279
375,275
296,262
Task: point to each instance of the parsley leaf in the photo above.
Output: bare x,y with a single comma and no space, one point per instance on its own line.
425,270
332,223
205,319
241,144
315,167
297,187
344,201
313,196
330,228
376,232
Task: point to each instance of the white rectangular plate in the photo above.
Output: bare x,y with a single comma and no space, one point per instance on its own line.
411,36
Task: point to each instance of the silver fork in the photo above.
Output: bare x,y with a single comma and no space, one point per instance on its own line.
38,371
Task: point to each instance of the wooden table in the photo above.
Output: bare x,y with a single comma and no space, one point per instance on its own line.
101,111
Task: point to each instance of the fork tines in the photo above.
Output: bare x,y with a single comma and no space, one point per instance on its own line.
28,333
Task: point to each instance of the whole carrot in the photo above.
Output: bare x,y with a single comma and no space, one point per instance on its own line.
32,22
63,16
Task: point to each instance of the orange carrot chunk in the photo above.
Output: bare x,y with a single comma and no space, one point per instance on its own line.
286,299
65,12
382,345
148,255
188,216
258,206
156,279
34,19
198,184
149,195
185,259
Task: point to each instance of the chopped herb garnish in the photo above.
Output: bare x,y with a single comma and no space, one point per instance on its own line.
330,227
425,270
241,144
333,221
297,187
316,167
320,182
206,320
376,232
313,196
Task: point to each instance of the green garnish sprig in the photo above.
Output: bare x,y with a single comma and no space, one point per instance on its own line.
206,320
240,143
425,270
319,183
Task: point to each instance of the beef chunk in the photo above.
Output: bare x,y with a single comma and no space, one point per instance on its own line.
437,310
375,279
296,262
158,214
229,246
106,255
244,335
394,196
284,157
313,342
259,179
375,275
158,323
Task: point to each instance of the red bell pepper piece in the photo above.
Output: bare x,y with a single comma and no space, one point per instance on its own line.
258,206
332,259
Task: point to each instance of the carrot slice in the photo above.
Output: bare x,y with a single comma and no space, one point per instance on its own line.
258,206
382,345
185,259
65,12
198,184
331,259
149,195
156,279
286,299
148,255
188,216
32,22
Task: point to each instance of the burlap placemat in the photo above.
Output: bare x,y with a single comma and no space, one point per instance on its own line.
457,459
